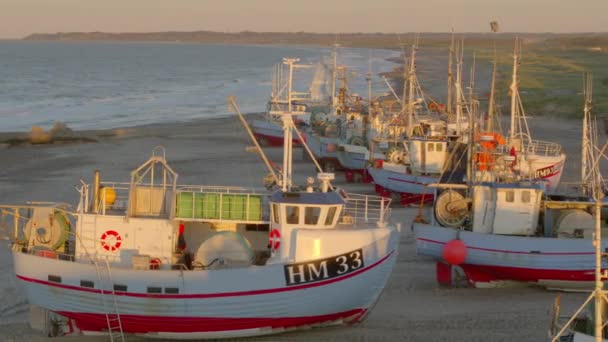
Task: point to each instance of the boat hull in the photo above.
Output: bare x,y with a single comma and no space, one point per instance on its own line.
411,189
547,168
209,303
271,134
325,151
492,260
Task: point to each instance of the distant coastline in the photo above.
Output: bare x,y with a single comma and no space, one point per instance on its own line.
363,40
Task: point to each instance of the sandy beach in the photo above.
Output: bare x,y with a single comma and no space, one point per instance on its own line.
412,308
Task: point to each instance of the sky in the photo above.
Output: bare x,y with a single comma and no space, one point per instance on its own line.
18,18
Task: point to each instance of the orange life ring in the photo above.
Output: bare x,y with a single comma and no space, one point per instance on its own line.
274,239
111,240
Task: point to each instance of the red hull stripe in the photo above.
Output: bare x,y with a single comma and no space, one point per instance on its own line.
485,273
212,295
276,141
511,252
145,324
405,181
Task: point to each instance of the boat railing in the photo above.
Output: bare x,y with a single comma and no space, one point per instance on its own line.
205,203
527,145
365,209
542,148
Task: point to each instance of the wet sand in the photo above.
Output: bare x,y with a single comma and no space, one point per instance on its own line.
412,308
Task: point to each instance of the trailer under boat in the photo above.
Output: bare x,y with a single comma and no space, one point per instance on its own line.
155,259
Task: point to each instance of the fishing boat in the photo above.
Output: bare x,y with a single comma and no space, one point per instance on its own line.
540,159
156,259
268,130
587,324
417,155
503,226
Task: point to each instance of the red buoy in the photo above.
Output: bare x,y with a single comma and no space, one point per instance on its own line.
454,252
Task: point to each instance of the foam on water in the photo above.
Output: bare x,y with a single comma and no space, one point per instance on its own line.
105,85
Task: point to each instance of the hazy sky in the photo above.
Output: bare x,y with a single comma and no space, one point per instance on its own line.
19,18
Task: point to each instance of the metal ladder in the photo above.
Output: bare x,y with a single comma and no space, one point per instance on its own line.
112,318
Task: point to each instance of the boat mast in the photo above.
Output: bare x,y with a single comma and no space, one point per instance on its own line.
450,75
334,74
597,193
490,123
514,91
586,141
459,54
288,127
368,78
411,86
472,83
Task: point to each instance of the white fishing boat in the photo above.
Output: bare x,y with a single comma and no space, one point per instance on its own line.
268,130
417,157
159,260
540,159
503,226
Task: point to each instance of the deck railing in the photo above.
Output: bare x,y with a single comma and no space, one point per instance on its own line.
366,209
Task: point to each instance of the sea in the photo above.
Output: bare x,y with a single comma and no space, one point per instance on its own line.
101,85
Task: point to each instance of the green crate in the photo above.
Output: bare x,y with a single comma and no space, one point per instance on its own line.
184,204
210,206
255,208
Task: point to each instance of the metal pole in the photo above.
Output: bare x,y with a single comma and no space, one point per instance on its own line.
514,91
599,284
450,76
233,104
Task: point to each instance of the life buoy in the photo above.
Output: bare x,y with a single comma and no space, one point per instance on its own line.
274,239
155,263
111,240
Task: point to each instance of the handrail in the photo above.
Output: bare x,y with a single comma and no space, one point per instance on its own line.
366,208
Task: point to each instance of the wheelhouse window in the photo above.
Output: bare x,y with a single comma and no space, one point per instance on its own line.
430,147
439,147
293,215
331,213
275,213
525,196
311,215
510,196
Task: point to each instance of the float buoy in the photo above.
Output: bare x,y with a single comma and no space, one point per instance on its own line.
111,240
274,239
454,252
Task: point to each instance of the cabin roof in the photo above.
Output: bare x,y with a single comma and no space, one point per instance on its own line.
321,198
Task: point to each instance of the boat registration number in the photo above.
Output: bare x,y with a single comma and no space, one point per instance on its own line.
317,270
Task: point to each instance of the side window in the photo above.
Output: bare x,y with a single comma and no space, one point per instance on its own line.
293,215
439,147
329,219
311,215
510,196
275,213
525,196
430,147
